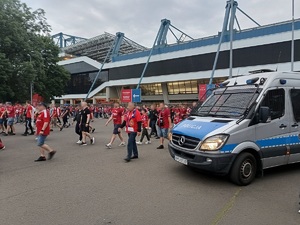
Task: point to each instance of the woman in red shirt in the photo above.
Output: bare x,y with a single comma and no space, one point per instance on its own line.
133,123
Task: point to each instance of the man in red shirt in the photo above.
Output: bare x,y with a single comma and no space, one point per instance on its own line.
164,123
133,123
10,110
116,117
145,126
42,131
28,119
2,117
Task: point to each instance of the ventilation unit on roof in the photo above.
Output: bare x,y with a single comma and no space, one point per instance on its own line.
261,71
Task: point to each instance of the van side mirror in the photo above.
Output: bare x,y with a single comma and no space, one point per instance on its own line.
264,114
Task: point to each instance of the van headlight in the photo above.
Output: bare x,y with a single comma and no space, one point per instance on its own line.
214,143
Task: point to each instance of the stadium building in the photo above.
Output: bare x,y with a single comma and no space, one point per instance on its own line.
175,71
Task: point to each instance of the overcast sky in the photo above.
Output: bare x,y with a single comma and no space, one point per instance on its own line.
140,19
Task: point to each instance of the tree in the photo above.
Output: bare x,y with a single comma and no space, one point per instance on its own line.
28,54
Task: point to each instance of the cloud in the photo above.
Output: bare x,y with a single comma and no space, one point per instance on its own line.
140,19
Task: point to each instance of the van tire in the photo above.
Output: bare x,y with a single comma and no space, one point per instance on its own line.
244,169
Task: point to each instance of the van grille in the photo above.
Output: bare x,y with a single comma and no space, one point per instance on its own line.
185,141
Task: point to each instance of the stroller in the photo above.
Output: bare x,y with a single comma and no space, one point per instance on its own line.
2,146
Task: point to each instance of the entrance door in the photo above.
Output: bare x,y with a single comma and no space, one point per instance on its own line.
273,136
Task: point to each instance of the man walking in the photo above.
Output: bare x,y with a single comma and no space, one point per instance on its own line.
28,119
116,117
42,131
10,110
133,123
164,123
85,124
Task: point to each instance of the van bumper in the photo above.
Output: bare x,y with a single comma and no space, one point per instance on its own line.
219,163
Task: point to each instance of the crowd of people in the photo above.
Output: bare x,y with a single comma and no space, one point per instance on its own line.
139,122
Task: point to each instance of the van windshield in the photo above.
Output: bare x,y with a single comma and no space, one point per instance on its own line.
229,102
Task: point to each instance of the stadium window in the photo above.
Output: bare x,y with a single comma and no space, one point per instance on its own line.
151,89
182,87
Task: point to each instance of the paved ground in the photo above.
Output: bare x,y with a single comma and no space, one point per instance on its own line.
93,186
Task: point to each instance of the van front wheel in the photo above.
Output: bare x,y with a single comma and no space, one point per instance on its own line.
244,169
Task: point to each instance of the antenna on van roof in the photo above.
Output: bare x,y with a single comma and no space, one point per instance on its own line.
278,61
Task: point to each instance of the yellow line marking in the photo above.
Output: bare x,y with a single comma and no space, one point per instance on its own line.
226,208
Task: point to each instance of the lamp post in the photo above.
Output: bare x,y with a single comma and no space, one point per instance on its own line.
293,36
31,83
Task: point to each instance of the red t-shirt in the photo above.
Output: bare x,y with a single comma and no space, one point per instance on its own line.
132,118
117,114
145,121
10,111
29,111
183,112
177,119
43,117
58,110
2,109
165,115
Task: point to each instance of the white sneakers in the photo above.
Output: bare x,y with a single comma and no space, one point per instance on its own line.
122,144
108,146
79,142
146,143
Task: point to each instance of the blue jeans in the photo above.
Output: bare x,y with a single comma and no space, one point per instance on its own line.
131,146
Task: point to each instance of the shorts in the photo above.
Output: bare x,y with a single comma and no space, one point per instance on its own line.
10,121
1,121
162,132
41,140
85,128
116,128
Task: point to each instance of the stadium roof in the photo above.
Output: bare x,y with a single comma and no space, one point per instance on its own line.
97,47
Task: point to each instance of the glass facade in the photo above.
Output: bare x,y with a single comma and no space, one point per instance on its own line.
81,83
151,89
189,87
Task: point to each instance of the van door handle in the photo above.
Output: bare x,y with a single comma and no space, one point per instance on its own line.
282,126
295,125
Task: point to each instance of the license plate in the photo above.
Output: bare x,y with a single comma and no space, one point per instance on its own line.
181,160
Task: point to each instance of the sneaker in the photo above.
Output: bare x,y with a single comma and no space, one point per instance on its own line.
41,159
60,129
79,142
108,146
93,141
127,160
25,134
134,157
139,143
51,154
83,144
93,130
160,147
122,144
32,133
148,142
2,148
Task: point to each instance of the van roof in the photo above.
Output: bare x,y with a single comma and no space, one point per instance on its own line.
268,76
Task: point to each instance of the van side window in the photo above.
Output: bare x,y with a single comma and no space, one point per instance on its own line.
295,96
275,100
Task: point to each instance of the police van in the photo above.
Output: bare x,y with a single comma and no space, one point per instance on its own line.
248,124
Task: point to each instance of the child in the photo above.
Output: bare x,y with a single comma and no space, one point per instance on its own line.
145,123
2,146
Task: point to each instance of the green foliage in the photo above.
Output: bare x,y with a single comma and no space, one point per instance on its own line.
27,54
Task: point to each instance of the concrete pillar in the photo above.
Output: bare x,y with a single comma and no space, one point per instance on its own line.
107,94
62,102
94,100
53,102
71,102
165,93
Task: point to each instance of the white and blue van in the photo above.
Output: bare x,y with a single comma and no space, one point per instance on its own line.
248,124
